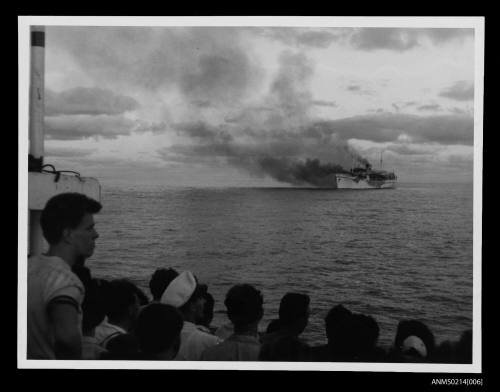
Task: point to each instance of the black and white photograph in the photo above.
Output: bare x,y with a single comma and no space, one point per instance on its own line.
250,193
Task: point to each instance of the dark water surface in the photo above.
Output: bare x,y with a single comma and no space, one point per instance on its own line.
391,254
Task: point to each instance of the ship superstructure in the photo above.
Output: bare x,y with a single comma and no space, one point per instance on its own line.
365,178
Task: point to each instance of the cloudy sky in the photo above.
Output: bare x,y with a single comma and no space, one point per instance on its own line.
248,106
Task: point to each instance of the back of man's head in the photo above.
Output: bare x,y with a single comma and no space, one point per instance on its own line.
408,328
92,307
363,332
336,317
121,300
63,211
244,305
158,329
208,310
293,306
160,280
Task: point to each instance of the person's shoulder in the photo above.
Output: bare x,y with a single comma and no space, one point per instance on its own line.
207,336
212,353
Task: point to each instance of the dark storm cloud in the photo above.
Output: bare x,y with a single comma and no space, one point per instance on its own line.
459,91
405,104
83,100
224,76
429,108
204,64
443,35
325,103
402,39
141,126
387,127
303,37
308,153
290,88
358,89
203,131
384,38
280,138
458,111
67,152
288,100
201,103
371,38
83,126
279,154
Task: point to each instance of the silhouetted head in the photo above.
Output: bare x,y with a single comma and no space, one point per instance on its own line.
414,340
158,330
122,302
362,335
124,346
463,348
244,305
351,336
294,311
334,319
208,310
160,280
68,219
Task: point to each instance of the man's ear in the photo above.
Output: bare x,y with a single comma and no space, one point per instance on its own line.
67,235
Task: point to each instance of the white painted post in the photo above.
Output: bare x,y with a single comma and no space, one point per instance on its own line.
36,125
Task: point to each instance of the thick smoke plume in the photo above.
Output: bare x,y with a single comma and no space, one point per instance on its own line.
284,141
219,102
310,172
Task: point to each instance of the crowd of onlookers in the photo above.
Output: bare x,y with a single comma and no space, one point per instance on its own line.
72,315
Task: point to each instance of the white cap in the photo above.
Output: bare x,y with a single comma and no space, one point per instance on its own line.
179,290
414,342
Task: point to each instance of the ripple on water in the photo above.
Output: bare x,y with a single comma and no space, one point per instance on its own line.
344,247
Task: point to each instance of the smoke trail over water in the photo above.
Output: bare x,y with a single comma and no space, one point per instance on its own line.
276,137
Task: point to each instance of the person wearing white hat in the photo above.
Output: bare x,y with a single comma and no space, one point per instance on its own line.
187,295
414,342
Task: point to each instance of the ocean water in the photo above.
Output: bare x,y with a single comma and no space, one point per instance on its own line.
403,253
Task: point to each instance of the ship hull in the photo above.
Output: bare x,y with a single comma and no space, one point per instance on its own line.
352,182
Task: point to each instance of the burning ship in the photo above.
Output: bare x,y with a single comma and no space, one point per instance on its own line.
365,178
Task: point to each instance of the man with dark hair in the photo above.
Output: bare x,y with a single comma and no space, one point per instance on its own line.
121,304
334,321
245,310
293,319
208,314
55,294
160,280
352,337
158,332
188,297
293,314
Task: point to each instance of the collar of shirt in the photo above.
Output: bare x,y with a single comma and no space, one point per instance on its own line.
188,326
106,324
55,261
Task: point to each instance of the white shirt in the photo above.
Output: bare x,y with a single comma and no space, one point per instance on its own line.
193,342
91,349
105,331
234,348
49,277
